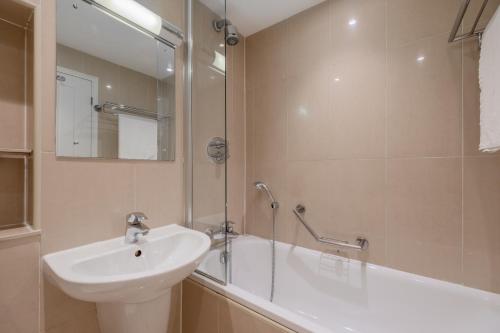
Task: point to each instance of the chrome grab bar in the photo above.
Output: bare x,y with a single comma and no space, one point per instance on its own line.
361,243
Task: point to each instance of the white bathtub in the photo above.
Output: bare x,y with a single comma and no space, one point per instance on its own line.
317,292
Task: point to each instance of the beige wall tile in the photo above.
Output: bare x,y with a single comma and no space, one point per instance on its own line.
307,41
424,104
12,99
308,115
270,121
11,191
357,125
70,58
234,318
15,12
159,192
267,55
209,197
357,205
481,227
84,201
199,309
65,313
424,231
19,286
408,21
357,27
205,311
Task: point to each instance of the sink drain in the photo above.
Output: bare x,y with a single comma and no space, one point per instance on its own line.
138,253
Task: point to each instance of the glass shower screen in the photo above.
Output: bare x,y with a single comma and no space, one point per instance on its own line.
206,199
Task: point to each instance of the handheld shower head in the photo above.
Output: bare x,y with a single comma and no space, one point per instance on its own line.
261,186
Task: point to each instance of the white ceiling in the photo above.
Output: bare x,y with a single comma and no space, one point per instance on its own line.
251,16
89,30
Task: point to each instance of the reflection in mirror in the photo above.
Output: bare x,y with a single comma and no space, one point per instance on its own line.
115,88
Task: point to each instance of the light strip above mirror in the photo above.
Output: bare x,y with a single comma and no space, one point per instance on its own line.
134,12
141,18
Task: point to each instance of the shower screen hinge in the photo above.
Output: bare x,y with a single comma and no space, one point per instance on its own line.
224,256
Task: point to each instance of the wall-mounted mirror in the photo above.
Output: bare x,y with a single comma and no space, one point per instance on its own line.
115,82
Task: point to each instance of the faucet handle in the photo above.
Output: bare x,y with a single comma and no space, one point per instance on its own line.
227,227
136,218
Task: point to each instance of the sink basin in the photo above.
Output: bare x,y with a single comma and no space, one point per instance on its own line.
129,282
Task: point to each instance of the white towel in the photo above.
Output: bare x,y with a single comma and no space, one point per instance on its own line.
137,138
489,81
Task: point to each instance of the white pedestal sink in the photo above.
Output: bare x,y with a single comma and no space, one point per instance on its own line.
129,282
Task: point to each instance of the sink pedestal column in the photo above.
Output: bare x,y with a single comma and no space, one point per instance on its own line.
145,317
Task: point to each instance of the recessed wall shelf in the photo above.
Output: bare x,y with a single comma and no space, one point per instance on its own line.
13,153
17,109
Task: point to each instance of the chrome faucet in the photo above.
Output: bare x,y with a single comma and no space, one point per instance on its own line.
218,235
135,227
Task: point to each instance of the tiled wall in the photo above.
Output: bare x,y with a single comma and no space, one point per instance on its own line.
205,311
85,201
11,191
362,111
19,285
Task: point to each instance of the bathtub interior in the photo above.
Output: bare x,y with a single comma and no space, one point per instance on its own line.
332,293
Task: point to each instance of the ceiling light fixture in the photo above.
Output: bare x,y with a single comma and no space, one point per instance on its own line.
134,12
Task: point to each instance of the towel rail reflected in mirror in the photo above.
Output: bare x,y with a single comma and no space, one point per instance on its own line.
115,109
115,90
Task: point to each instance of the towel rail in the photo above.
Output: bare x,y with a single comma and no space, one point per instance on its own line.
454,37
361,243
113,108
